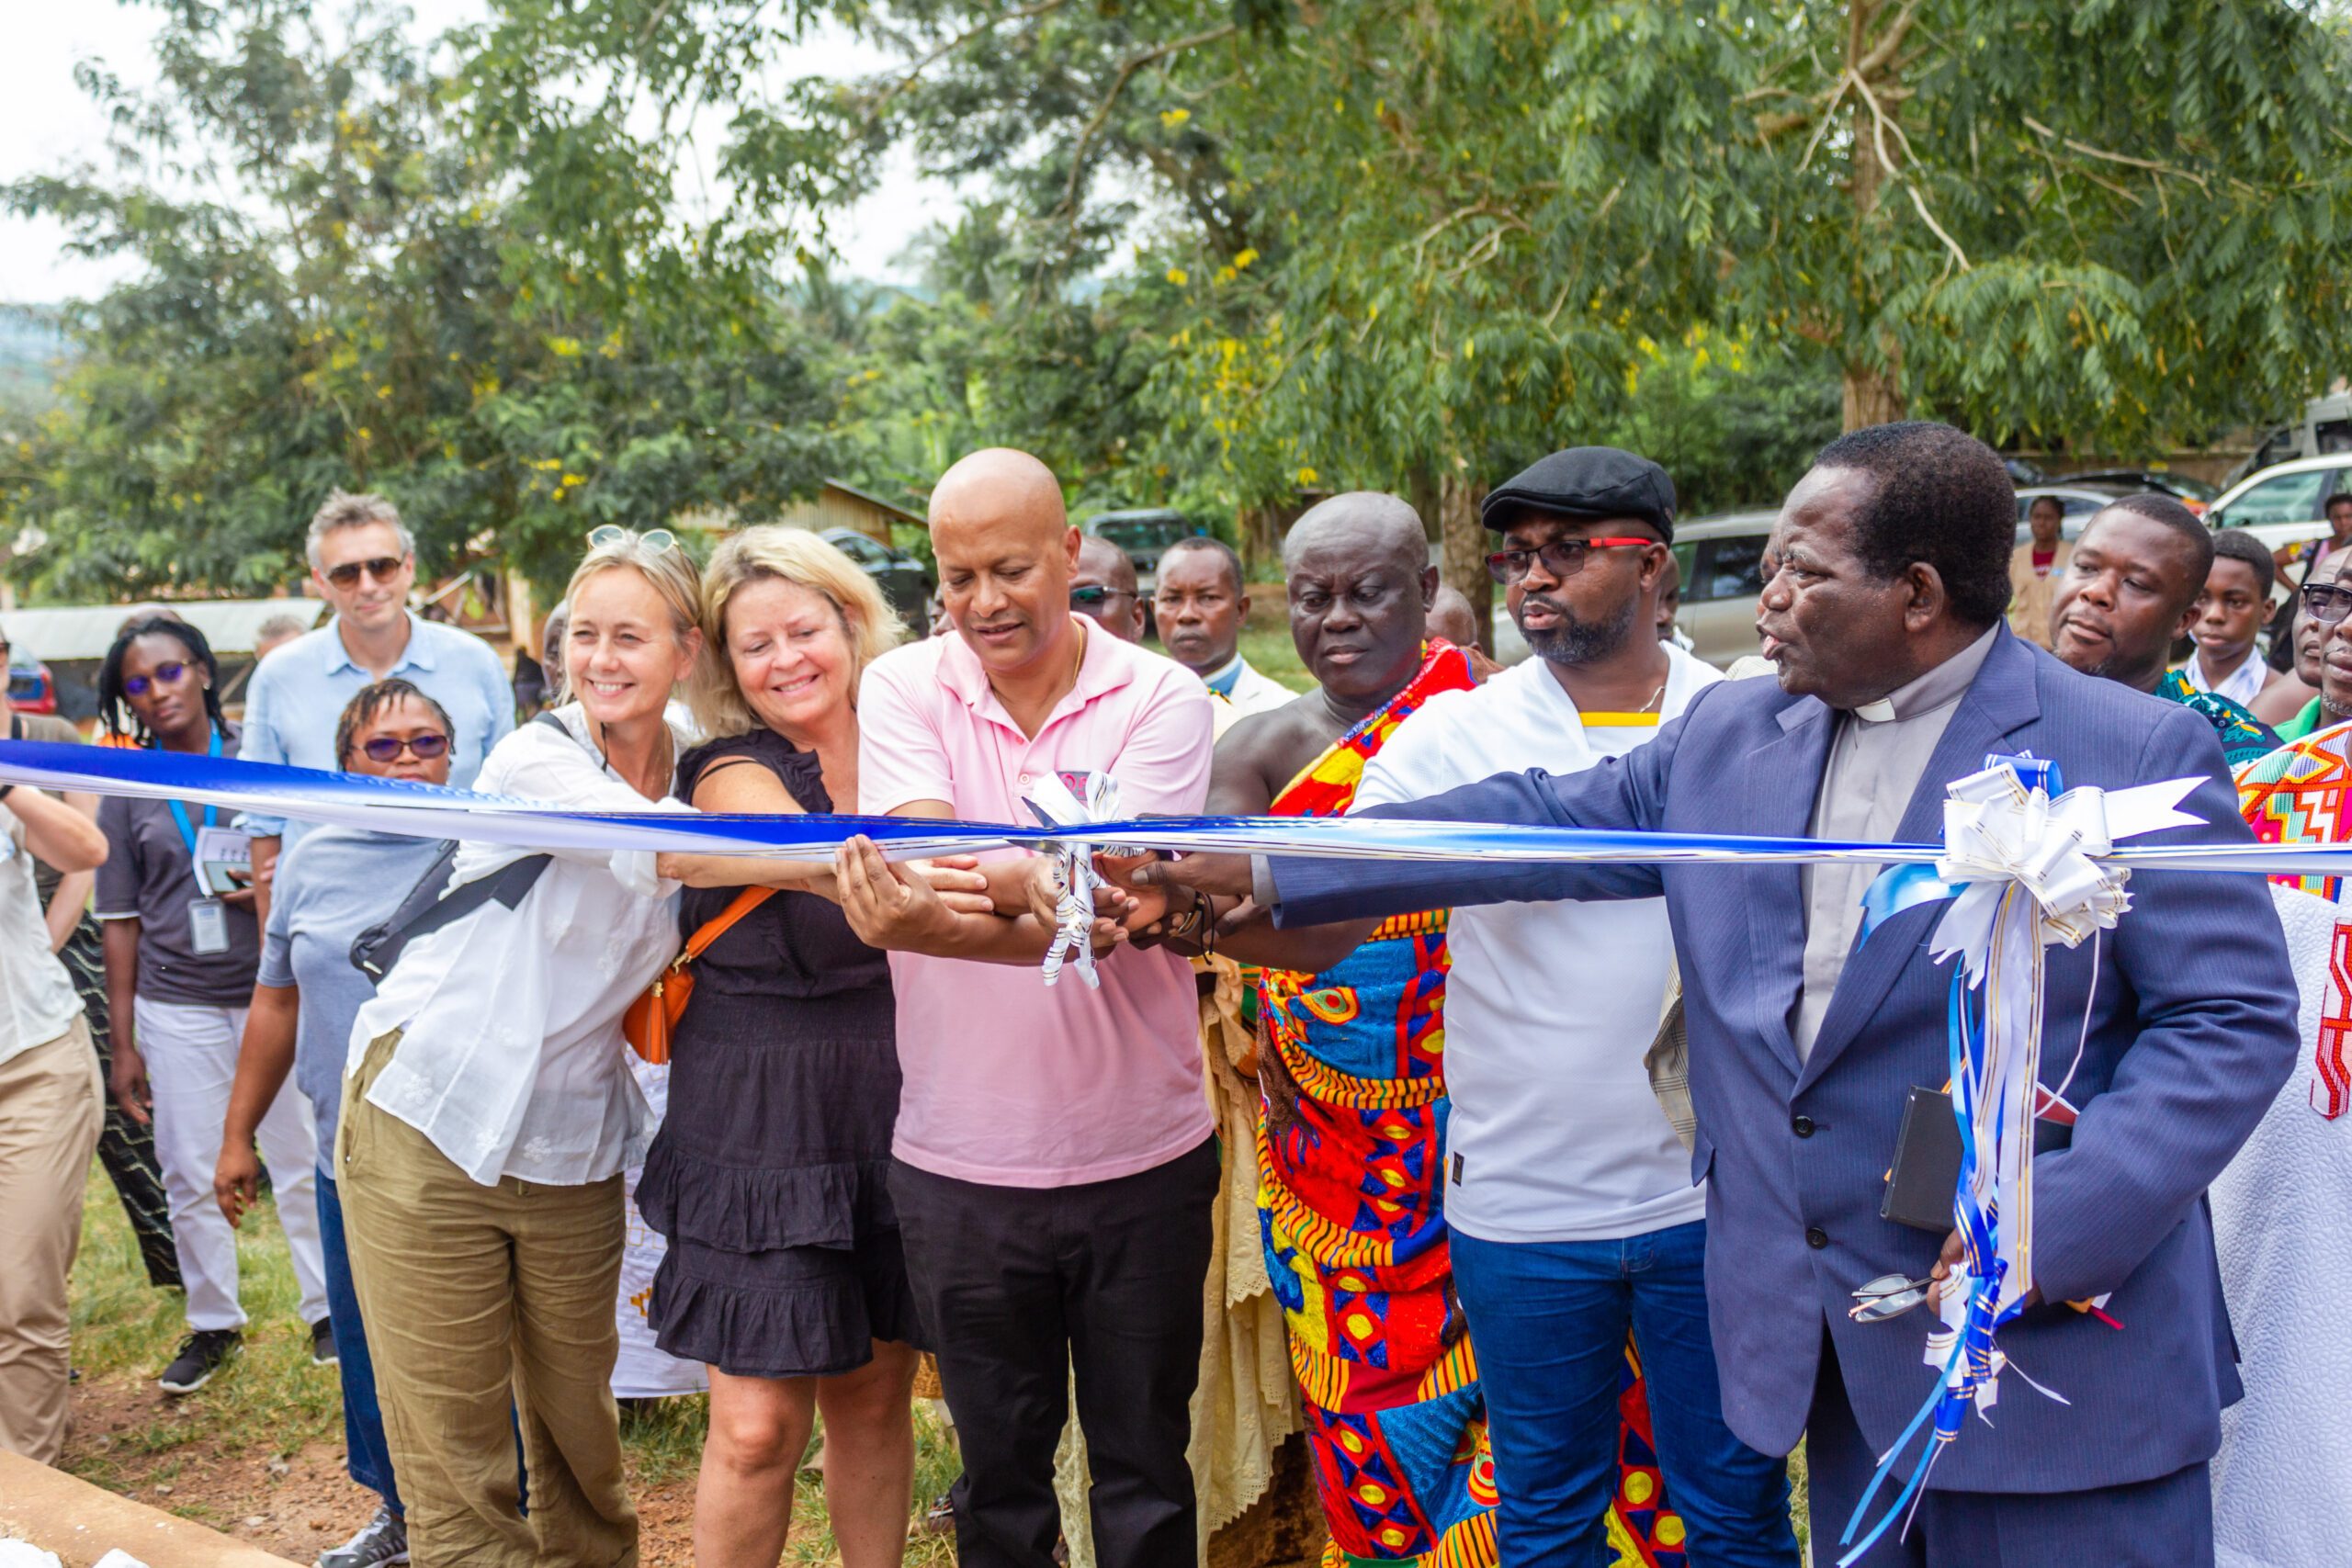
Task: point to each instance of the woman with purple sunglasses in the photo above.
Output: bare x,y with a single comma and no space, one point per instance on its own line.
176,909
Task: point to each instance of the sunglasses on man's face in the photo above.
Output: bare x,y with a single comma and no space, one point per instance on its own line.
383,568
1086,598
425,746
1563,559
164,675
2325,602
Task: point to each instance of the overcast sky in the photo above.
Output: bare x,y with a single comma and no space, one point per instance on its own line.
47,124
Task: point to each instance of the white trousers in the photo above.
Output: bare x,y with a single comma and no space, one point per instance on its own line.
191,1055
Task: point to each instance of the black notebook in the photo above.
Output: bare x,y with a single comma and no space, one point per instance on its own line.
1920,1184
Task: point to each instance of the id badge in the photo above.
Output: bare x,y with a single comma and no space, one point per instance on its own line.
207,926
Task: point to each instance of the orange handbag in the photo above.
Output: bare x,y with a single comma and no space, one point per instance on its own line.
647,1023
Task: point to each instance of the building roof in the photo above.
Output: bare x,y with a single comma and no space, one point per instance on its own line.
87,631
892,507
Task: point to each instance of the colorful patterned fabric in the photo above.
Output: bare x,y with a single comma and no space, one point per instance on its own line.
2244,736
1349,1208
2296,795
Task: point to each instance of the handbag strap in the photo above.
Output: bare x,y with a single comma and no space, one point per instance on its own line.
745,902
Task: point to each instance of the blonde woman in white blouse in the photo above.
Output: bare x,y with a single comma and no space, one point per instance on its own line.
488,1114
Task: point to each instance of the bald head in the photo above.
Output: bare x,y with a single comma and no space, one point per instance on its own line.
1453,618
1358,574
999,489
1005,550
1102,585
1101,562
1367,524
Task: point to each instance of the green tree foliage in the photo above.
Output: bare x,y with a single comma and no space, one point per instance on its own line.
1419,244
341,290
1226,252
2120,223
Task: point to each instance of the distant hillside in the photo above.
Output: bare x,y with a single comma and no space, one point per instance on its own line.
32,346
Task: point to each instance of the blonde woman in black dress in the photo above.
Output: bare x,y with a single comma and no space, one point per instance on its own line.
784,1272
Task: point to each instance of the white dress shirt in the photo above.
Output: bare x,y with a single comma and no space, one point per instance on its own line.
511,1058
1555,1134
37,1001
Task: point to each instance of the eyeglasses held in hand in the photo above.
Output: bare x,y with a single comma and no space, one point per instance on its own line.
2325,602
655,539
425,746
1086,598
164,675
1888,1297
1561,558
383,568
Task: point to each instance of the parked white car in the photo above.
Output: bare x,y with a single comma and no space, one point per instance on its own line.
2280,504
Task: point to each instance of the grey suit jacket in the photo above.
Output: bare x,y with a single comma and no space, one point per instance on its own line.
2192,1011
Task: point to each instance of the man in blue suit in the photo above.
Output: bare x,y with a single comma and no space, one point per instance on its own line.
1888,577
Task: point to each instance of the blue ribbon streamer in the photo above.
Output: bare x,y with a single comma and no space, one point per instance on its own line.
398,806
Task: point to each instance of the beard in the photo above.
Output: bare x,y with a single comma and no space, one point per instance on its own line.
1575,641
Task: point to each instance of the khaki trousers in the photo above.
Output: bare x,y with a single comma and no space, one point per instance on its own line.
50,1110
479,1300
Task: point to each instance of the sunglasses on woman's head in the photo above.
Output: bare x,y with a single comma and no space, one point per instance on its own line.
385,748
383,568
613,533
165,675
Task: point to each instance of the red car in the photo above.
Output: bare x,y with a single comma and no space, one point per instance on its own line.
30,687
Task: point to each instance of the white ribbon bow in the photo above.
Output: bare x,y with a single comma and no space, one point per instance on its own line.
1999,834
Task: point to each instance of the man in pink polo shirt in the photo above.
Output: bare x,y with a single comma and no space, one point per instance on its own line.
1054,1167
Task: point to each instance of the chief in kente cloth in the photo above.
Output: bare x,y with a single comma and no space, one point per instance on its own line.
1352,1144
1886,579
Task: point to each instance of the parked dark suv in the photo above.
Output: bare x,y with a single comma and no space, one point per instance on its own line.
905,581
1144,534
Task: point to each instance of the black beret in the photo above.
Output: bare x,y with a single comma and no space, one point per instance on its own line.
1586,481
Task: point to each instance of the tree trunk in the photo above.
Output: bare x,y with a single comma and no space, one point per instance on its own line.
1465,545
1873,397
1262,544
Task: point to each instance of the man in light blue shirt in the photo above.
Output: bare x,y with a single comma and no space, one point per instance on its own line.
364,560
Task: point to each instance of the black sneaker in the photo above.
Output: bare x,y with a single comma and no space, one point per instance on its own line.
322,1350
201,1355
383,1539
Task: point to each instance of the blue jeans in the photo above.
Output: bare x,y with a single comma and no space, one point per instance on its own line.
1548,1321
368,1456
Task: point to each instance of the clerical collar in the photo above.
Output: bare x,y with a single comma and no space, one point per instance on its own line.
1223,682
1937,688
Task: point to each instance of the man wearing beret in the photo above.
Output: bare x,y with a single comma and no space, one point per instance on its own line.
1567,1192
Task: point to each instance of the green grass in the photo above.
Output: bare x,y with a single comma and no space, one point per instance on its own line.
273,1401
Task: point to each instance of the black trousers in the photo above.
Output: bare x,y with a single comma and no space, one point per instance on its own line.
126,1148
2163,1523
1018,1286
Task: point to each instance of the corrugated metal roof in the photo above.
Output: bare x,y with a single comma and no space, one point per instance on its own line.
87,631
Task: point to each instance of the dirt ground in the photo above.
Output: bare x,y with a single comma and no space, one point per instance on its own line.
298,1506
